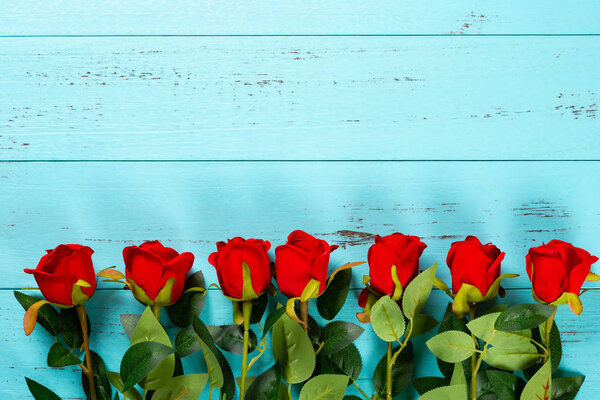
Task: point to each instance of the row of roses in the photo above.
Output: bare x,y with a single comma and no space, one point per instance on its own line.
156,275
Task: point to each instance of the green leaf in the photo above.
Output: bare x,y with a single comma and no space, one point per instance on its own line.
451,346
511,351
540,385
129,321
458,376
450,322
186,342
524,316
422,323
183,387
427,383
117,382
40,392
387,319
417,292
566,388
339,334
325,387
266,385
259,306
555,343
70,327
483,327
401,372
47,315
506,385
190,305
231,338
271,319
333,298
149,328
209,351
116,396
347,361
454,392
293,350
101,381
140,360
60,356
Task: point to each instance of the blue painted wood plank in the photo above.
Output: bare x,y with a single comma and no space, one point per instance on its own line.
299,98
25,356
297,17
191,206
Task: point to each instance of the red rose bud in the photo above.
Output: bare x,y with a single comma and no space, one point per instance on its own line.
66,275
393,263
230,259
557,271
475,270
302,259
156,274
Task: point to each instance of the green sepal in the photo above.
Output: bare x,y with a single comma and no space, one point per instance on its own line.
77,295
365,315
165,295
248,292
139,293
397,284
310,291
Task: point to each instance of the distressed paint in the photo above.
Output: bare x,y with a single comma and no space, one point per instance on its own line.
309,98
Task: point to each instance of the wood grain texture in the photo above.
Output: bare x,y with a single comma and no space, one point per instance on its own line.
191,206
306,98
110,17
25,356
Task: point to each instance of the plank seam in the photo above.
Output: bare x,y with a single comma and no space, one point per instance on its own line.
298,160
313,35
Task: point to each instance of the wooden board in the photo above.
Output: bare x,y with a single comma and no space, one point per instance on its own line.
138,17
25,356
299,98
191,206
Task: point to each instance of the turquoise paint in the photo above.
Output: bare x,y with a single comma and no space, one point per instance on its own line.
436,82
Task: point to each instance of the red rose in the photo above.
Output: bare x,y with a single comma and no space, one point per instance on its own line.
228,261
397,249
64,273
559,268
301,259
474,263
156,274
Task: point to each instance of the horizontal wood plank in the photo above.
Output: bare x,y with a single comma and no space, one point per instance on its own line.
391,98
190,206
159,17
26,356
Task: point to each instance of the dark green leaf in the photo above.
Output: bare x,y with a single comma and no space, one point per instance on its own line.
524,316
40,392
507,385
348,361
140,359
129,321
422,323
330,302
339,334
401,372
485,390
101,381
190,305
450,322
271,319
229,387
186,342
178,366
566,388
555,345
47,316
231,338
60,356
70,327
259,305
116,396
427,383
314,331
266,385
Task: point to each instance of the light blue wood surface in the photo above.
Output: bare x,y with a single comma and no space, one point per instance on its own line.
441,82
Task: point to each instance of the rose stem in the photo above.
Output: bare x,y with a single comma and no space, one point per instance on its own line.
549,324
473,315
247,312
82,314
304,313
389,371
156,311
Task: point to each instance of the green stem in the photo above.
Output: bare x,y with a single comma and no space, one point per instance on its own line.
156,311
476,368
549,324
304,314
472,316
389,372
247,312
82,314
359,389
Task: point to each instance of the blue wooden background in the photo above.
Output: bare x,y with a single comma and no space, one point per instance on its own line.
191,122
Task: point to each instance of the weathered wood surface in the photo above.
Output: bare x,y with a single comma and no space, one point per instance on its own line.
21,355
307,98
159,17
192,205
